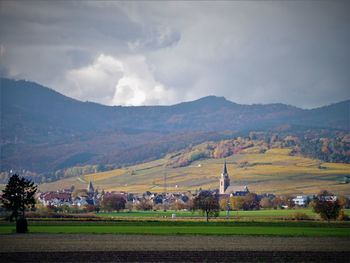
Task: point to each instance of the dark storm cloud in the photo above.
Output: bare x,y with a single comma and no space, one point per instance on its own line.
160,53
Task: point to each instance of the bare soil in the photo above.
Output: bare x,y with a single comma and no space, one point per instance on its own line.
108,242
177,256
148,248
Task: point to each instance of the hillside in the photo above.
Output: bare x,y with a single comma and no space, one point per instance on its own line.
44,132
274,171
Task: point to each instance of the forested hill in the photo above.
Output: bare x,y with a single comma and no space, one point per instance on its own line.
42,130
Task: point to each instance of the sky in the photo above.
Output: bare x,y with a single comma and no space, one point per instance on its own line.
161,53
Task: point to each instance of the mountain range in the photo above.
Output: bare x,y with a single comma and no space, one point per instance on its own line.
43,131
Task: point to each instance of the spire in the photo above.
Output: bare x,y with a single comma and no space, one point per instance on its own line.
90,188
224,180
225,168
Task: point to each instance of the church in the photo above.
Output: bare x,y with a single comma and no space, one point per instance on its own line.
227,189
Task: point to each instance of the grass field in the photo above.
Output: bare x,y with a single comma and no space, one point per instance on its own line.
309,229
274,171
280,214
259,215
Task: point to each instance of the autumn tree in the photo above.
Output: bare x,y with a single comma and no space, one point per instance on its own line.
277,202
237,202
224,204
208,202
343,201
19,194
266,203
326,205
113,203
287,200
251,202
144,205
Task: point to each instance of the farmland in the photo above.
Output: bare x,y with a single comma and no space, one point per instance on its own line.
275,171
175,248
181,240
312,229
246,223
280,214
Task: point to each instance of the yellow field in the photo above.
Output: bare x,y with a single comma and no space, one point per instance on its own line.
104,175
274,171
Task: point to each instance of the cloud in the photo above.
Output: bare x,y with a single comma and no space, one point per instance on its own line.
156,38
141,53
97,80
114,81
138,86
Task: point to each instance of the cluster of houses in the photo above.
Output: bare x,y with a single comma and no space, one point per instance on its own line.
91,196
70,197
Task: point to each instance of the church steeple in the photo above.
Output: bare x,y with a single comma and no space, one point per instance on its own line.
225,169
224,180
90,188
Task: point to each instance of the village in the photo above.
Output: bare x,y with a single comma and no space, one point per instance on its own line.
231,197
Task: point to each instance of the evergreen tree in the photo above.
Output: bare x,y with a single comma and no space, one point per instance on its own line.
17,196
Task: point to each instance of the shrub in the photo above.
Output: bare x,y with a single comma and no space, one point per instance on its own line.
300,216
343,217
144,205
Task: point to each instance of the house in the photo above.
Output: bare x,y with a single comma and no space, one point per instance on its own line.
82,201
238,190
301,200
55,198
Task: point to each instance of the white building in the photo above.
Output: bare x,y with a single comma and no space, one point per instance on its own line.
300,200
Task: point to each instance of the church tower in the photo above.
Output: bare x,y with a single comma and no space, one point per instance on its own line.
224,180
90,189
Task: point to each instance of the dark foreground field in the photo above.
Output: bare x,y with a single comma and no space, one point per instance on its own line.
153,248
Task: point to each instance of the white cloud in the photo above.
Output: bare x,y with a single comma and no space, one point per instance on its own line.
113,81
138,85
97,80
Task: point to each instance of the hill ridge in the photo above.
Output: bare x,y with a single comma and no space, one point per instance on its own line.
42,129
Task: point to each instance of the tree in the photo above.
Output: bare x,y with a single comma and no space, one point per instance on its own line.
343,201
237,202
129,205
208,203
144,205
266,203
17,196
251,202
277,202
113,203
287,200
326,205
179,205
225,204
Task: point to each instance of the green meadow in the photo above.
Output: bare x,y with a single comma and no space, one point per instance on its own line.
314,229
282,214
